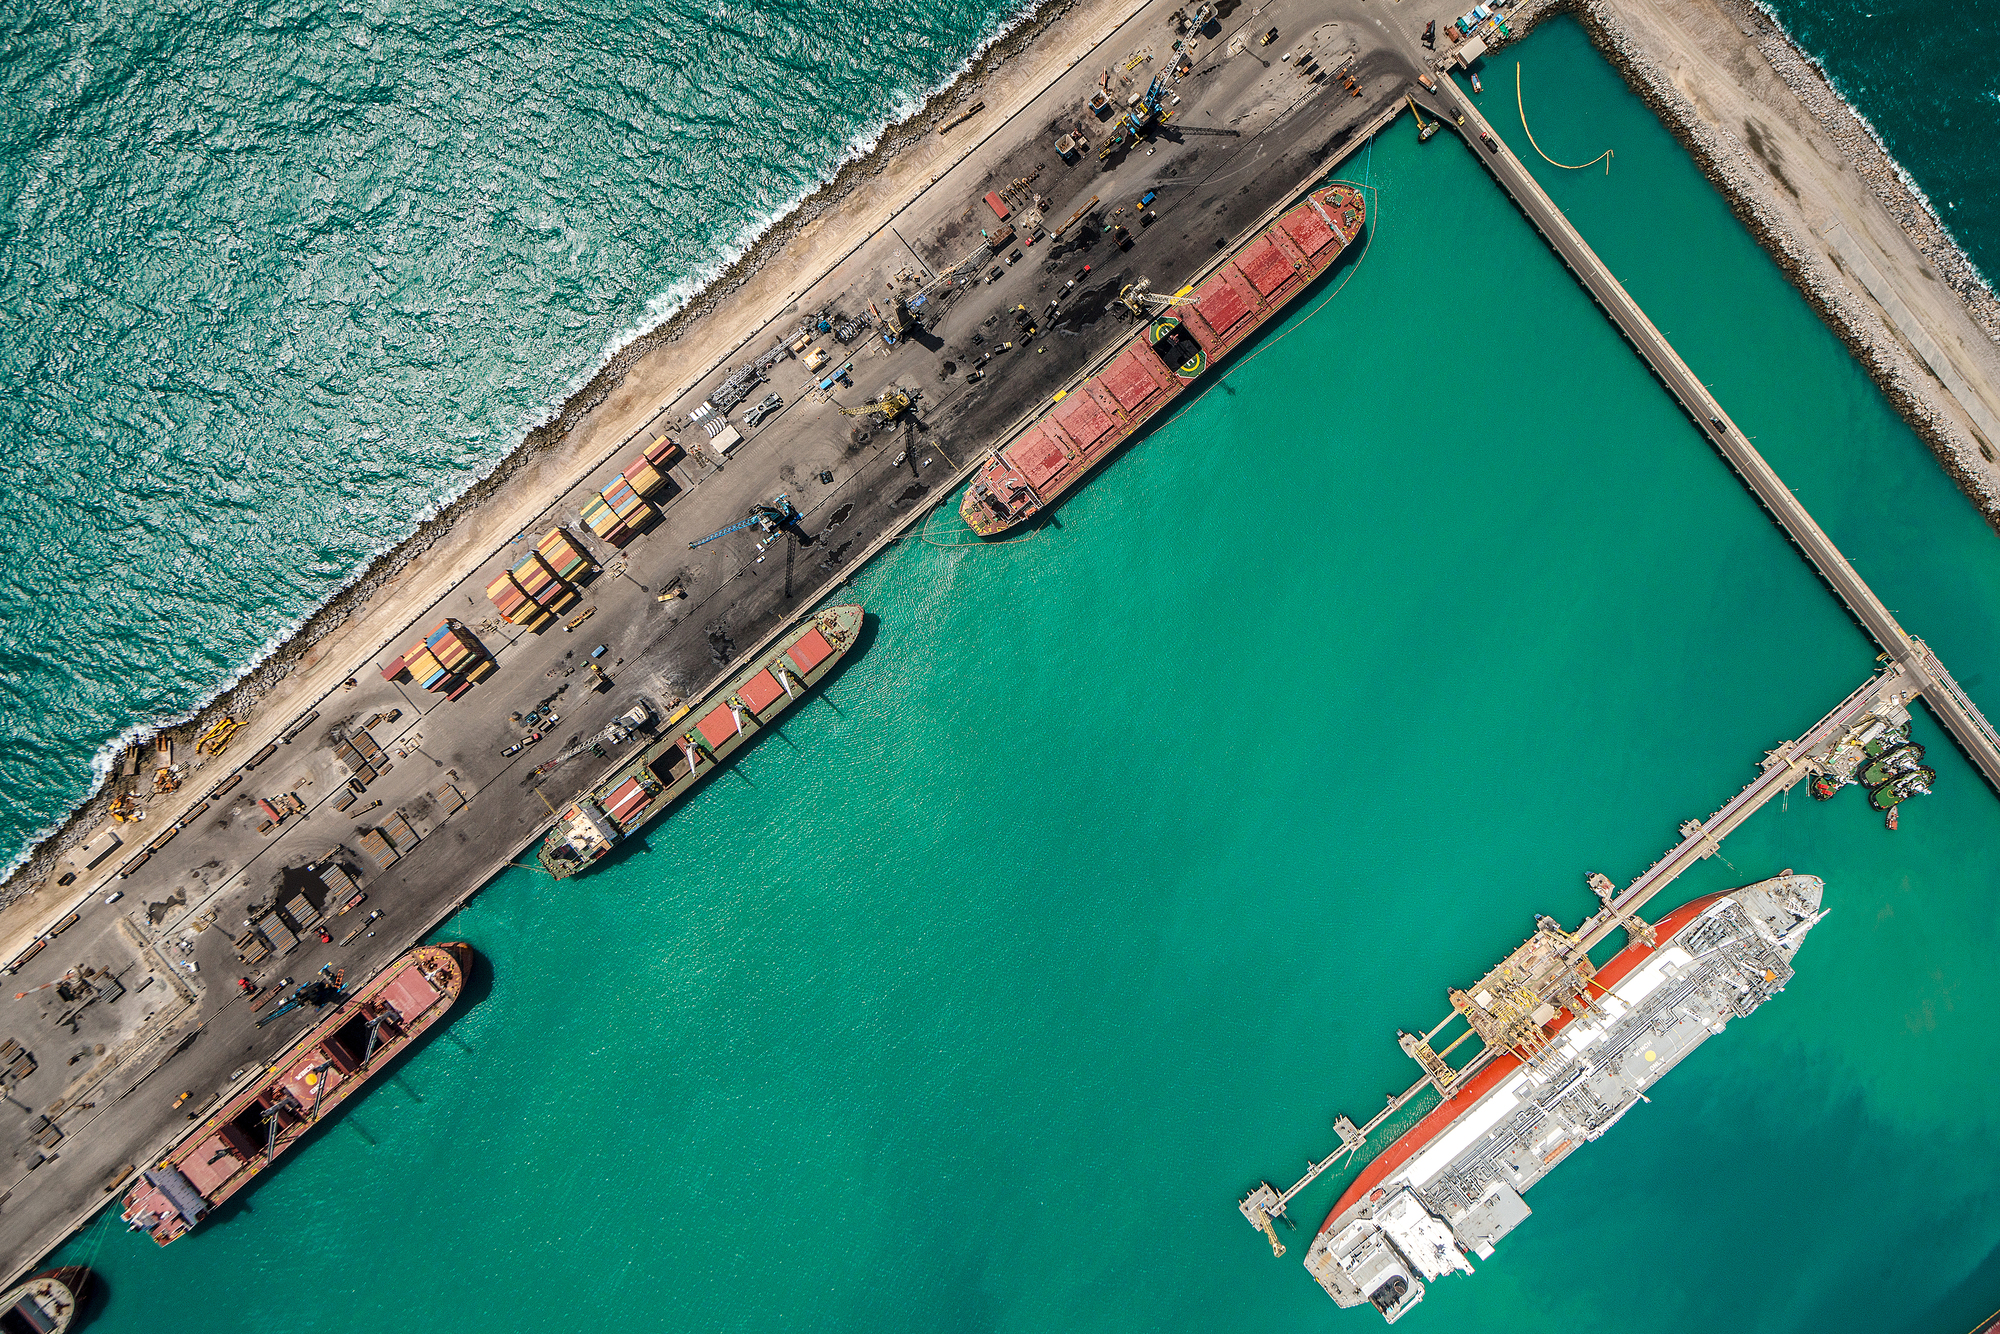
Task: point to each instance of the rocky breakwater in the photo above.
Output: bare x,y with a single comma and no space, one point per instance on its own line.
1672,53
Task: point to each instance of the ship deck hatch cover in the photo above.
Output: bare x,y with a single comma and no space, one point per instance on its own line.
1128,382
811,650
411,993
1086,423
1266,266
1308,231
719,726
760,691
1222,306
1037,456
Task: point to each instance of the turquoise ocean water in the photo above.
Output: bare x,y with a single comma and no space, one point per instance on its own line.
1090,892
278,281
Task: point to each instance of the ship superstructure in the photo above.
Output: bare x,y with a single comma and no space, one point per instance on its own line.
1083,426
1582,1046
640,790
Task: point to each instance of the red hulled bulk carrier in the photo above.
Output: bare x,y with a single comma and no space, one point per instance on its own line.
310,1078
1082,426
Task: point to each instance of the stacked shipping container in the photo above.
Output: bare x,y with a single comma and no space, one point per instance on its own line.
516,607
448,659
620,511
542,584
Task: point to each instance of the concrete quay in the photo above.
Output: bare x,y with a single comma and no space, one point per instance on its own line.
1959,717
157,1013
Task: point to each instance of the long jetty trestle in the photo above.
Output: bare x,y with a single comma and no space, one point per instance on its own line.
1509,1009
1552,969
1948,703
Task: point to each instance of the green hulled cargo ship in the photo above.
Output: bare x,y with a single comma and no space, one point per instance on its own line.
640,790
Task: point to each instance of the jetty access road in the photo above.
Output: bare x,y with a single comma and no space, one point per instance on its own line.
1966,725
157,1014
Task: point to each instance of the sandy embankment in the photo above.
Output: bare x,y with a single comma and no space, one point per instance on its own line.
1804,173
378,609
1796,163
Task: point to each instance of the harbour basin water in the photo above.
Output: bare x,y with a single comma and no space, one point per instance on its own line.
1088,892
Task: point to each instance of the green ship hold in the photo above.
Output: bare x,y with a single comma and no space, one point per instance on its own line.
640,790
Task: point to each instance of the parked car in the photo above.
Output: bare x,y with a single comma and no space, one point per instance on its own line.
769,404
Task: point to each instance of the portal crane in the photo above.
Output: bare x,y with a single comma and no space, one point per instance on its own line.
1141,291
1145,109
318,993
548,767
770,518
893,404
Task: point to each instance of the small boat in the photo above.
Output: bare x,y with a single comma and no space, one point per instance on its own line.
46,1303
1892,815
1476,85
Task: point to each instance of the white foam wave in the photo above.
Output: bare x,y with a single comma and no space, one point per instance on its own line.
660,308
667,304
1908,181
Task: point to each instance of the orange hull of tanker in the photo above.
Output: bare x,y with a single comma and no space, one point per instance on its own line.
1082,427
1446,1114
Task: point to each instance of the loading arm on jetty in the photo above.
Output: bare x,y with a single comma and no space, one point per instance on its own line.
1551,971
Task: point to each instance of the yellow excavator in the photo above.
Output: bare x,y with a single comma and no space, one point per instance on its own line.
893,404
1425,129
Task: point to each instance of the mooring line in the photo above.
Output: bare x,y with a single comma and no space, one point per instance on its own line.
1604,157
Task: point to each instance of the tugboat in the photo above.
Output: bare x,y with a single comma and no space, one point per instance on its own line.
1878,756
1425,129
47,1303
